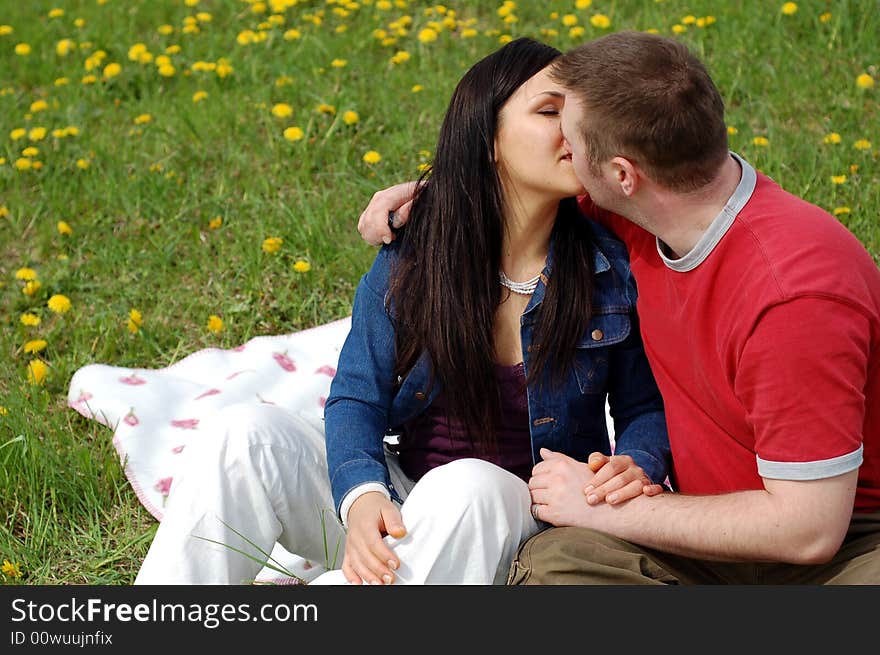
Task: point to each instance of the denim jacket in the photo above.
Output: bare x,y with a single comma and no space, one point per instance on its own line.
368,401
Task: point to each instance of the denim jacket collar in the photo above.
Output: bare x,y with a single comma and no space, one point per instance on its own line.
600,265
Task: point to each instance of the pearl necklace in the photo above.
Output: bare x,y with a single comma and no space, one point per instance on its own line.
526,288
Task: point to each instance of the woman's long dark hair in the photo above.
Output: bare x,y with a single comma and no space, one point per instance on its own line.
444,288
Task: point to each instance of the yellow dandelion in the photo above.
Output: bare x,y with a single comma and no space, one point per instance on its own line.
293,133
468,33
325,109
167,70
732,130
4,211
427,35
862,144
29,320
569,20
215,324
112,70
838,179
372,157
56,13
36,371
39,105
689,20
6,30
31,288
282,110
679,28
838,211
831,137
576,32
83,164
198,96
215,223
79,22
89,79
582,4
142,119
37,133
60,304
64,228
417,88
292,35
789,8
34,346
17,133
864,81
351,117
853,168
22,49
762,141
30,152
339,63
9,569
135,321
400,57
23,164
272,245
172,50
601,21
3,412
824,18
223,69
25,274
62,81
301,266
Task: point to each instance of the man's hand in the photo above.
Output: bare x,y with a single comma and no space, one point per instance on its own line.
618,478
367,557
373,222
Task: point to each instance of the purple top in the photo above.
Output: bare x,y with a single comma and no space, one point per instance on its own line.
430,439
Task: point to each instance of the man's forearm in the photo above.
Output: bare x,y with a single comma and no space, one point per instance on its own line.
741,526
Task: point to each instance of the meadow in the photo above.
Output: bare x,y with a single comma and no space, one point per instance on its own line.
179,174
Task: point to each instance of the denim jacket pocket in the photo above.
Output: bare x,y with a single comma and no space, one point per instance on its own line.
415,393
591,358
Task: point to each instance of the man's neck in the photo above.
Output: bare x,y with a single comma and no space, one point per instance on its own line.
680,220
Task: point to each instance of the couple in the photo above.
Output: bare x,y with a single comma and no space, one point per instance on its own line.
760,317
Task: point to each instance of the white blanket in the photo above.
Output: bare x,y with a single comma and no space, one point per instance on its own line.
154,413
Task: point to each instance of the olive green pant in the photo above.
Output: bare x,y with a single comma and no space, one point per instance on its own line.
581,556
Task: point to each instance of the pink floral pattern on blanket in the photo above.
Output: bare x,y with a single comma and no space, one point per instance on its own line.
154,413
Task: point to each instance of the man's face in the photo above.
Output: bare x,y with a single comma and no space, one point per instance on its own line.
573,115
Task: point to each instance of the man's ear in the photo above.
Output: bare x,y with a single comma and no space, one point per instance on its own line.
627,175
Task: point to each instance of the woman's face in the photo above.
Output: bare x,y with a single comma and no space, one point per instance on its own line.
529,147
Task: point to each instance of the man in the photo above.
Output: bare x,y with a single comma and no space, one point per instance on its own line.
760,315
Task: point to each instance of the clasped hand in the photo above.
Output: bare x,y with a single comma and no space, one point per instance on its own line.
562,488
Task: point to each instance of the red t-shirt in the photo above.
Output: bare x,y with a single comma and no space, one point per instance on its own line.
765,345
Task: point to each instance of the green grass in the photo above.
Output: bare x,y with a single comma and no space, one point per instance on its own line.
140,233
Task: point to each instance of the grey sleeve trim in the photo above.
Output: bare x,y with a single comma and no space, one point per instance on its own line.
825,468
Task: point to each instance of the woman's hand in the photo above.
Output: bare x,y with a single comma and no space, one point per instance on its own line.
618,478
368,559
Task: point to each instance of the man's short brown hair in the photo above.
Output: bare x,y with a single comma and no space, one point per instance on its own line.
649,99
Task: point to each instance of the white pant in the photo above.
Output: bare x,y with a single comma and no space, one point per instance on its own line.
262,470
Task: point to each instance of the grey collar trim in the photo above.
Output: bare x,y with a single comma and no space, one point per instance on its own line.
720,224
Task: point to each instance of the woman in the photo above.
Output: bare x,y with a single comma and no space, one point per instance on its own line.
480,376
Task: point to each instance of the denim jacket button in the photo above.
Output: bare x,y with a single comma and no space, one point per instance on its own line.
597,335
420,395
